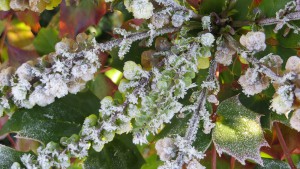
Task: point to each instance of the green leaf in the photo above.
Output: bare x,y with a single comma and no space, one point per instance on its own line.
243,8
208,6
270,7
238,131
45,41
101,86
273,164
121,153
8,156
62,118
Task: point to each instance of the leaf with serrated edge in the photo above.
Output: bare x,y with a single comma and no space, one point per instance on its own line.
238,131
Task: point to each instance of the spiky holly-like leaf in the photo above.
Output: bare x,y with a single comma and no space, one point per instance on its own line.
238,131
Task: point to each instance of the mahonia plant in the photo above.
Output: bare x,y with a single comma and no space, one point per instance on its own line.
178,82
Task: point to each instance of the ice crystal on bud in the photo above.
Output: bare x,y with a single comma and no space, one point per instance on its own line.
224,54
293,64
272,61
295,120
141,9
179,17
207,39
253,82
206,23
254,41
132,71
166,149
159,20
283,100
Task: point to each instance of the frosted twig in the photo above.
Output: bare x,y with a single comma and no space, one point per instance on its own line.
190,134
268,21
106,46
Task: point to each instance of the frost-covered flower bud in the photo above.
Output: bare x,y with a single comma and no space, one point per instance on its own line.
206,23
165,148
132,70
15,165
293,64
224,55
213,99
5,76
253,82
295,120
19,4
159,20
106,104
194,164
178,18
25,71
141,9
281,105
207,39
254,41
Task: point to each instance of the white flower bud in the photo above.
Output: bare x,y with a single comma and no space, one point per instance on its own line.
132,70
254,41
293,64
165,148
252,82
141,9
207,39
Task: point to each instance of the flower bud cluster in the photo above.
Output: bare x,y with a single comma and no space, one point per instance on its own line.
39,82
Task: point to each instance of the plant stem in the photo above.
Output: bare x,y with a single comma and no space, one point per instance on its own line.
283,146
267,21
214,157
107,46
232,163
194,121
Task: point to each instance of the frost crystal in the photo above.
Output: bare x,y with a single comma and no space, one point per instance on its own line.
194,164
254,41
166,149
253,82
206,23
282,102
207,39
141,9
293,64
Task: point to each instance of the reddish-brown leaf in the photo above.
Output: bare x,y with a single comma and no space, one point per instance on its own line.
30,18
194,3
75,19
18,56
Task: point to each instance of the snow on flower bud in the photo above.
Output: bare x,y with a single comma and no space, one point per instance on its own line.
132,70
253,82
165,148
141,9
206,23
283,101
254,41
293,64
207,39
295,120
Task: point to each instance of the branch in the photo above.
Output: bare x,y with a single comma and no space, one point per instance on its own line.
107,46
283,146
267,21
195,119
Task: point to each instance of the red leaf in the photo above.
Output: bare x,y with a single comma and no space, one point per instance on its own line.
18,56
75,19
30,18
194,3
